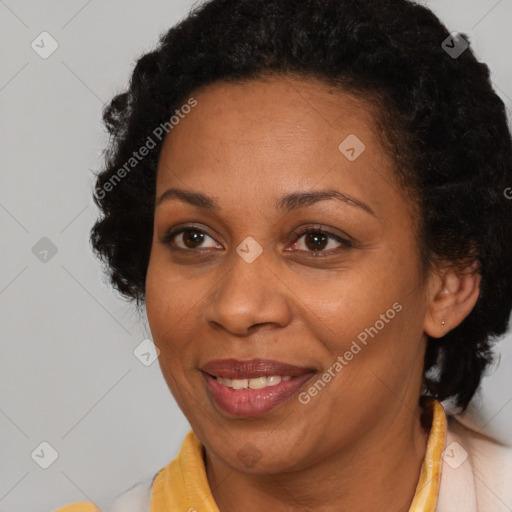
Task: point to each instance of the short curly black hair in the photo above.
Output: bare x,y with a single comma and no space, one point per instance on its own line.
446,130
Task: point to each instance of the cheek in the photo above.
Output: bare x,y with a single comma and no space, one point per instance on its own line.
174,304
164,311
166,308
168,295
350,300
371,315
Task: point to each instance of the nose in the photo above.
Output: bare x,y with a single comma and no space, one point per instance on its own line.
248,295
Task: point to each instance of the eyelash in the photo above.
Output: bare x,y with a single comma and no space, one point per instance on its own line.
345,244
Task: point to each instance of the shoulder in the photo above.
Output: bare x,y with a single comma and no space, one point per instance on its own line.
136,499
478,461
78,507
485,452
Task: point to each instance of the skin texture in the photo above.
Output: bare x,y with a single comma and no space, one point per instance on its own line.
358,444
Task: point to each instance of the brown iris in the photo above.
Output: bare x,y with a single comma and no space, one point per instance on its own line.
195,238
317,240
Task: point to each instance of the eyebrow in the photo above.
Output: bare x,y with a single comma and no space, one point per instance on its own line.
286,203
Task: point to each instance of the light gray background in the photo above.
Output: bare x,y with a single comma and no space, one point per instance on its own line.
69,375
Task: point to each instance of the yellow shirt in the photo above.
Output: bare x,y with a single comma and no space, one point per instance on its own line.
182,485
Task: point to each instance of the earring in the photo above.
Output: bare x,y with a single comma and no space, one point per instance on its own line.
443,322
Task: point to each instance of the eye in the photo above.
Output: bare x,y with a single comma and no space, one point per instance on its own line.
319,241
191,238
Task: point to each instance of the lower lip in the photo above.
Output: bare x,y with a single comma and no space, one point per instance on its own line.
253,402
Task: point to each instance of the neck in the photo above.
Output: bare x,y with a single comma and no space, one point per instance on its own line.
379,472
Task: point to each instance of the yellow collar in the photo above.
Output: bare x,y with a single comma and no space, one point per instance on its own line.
183,485
427,490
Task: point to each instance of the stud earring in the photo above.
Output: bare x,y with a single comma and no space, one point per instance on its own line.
443,322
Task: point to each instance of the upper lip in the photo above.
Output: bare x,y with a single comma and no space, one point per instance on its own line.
236,369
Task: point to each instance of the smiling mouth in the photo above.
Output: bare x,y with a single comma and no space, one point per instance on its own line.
254,387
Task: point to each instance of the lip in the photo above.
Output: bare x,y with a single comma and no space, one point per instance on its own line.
236,369
252,402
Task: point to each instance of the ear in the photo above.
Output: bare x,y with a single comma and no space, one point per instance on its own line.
452,295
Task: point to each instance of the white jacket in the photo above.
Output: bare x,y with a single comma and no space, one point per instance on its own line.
476,476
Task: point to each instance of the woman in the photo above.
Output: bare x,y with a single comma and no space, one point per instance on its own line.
308,199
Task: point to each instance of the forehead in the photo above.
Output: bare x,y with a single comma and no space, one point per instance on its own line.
261,109
270,135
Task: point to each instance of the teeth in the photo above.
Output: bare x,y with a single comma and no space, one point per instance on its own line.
254,383
239,383
258,383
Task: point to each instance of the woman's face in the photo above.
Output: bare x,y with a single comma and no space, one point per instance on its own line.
345,304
